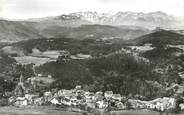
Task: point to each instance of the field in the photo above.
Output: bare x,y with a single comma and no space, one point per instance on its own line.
50,111
30,59
34,111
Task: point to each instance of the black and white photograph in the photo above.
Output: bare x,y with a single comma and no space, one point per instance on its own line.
91,57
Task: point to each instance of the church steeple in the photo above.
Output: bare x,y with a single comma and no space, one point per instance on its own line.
34,72
20,89
21,79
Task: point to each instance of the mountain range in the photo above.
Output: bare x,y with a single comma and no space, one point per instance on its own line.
149,20
81,25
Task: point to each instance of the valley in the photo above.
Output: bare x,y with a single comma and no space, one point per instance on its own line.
142,66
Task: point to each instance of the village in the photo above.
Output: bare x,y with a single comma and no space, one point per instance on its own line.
80,100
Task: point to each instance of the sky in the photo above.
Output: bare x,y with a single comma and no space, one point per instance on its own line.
23,9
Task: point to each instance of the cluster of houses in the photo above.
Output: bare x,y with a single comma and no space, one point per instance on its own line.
85,100
159,104
72,98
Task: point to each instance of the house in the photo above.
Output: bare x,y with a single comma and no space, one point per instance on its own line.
48,96
172,102
66,92
78,87
49,76
116,97
89,95
55,101
48,93
181,106
98,98
66,102
99,93
60,93
39,101
68,97
89,100
30,98
73,99
120,105
108,94
151,106
12,100
80,91
181,74
40,75
102,104
21,101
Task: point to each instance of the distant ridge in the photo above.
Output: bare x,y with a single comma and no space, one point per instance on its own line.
161,37
148,20
11,31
